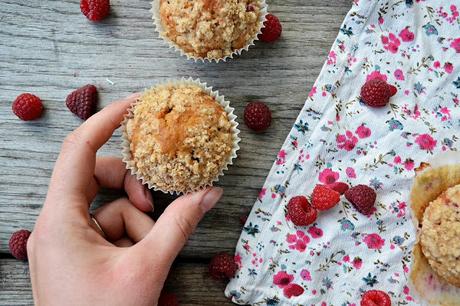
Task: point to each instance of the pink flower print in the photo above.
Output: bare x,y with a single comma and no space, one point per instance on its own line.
376,75
397,159
312,92
282,279
409,164
357,263
391,43
399,75
436,64
350,172
327,176
262,193
292,290
346,258
347,141
298,241
315,232
281,159
406,290
363,132
426,142
374,241
332,58
381,20
238,260
456,45
406,35
305,275
448,67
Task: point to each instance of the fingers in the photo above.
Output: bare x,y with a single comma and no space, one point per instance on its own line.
175,225
110,172
120,220
75,165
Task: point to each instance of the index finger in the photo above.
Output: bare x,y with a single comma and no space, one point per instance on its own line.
74,167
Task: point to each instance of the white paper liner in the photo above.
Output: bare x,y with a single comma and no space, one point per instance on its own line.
433,295
155,10
126,152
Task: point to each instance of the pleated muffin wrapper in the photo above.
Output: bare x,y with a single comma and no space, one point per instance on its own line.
432,179
126,151
155,10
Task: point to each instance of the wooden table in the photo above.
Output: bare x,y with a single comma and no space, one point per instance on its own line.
49,48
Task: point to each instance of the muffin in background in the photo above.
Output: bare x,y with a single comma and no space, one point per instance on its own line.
179,137
209,29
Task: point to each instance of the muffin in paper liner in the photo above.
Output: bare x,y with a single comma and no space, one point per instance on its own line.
155,10
230,127
431,181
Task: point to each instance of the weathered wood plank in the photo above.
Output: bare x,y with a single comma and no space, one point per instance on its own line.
189,281
49,48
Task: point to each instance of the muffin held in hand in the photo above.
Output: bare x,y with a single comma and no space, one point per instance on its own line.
179,137
440,235
209,29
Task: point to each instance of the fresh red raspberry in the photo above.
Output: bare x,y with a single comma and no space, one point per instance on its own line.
301,212
222,266
18,244
168,299
375,298
293,290
377,92
340,187
95,10
363,198
272,29
324,198
257,116
27,107
82,102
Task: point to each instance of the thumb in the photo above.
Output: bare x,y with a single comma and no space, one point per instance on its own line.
172,230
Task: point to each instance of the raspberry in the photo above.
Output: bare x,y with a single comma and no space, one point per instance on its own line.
375,298
301,212
257,116
340,187
82,102
18,244
168,299
324,198
362,197
377,92
222,266
293,290
272,29
95,10
27,107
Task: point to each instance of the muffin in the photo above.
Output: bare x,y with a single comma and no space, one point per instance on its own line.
179,137
209,29
440,235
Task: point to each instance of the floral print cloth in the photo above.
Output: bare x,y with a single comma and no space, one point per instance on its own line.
414,45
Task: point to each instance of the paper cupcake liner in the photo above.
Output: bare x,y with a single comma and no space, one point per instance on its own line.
126,151
439,173
155,10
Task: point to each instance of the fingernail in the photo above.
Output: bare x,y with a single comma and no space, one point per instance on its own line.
148,196
211,198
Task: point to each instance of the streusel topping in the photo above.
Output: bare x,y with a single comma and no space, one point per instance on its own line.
180,137
440,236
210,28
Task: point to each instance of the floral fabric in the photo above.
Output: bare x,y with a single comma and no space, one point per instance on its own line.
414,45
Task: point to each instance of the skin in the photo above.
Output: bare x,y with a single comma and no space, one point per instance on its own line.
71,261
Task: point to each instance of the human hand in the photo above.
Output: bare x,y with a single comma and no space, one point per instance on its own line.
71,263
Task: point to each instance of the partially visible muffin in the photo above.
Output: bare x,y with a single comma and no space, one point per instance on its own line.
180,137
211,29
440,235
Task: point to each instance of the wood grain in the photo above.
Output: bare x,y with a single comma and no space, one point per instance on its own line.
48,48
189,281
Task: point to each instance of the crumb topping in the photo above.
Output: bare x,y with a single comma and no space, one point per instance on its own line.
210,28
440,235
180,137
